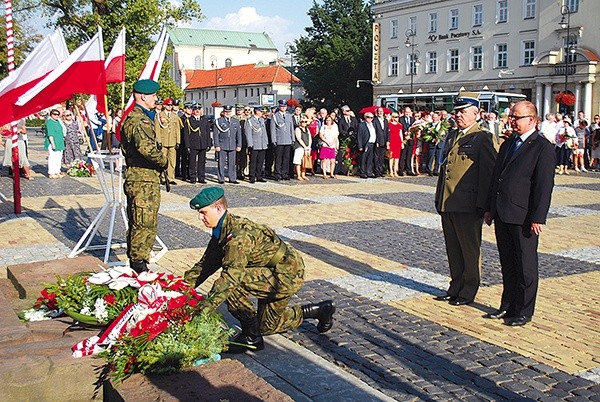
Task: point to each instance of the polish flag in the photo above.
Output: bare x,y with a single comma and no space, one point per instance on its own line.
115,62
44,58
81,73
150,71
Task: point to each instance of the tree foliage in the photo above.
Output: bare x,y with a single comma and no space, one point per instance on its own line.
336,53
142,19
24,39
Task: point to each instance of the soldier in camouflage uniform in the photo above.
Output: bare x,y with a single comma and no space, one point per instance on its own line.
145,163
255,262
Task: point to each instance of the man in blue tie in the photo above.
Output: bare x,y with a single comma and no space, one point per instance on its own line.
518,204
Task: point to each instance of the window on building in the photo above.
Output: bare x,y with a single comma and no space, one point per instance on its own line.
476,58
205,95
227,62
265,90
453,24
411,64
224,94
246,92
191,95
501,55
528,52
478,15
197,63
502,12
235,93
393,70
453,60
573,5
431,62
216,95
572,43
412,23
251,91
433,22
529,9
393,29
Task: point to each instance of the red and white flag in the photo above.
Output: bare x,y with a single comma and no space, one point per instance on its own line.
44,58
115,62
81,73
151,70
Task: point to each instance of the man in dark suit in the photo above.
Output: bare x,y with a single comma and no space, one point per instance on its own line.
227,137
196,134
518,204
461,195
365,141
382,130
407,119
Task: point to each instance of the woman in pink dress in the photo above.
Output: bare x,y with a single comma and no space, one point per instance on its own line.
329,134
395,144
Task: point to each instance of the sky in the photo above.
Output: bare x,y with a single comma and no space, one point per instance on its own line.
283,20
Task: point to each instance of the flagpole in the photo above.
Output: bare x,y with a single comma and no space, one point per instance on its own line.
10,53
87,117
123,96
82,125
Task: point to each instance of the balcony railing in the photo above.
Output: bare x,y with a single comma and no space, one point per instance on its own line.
560,69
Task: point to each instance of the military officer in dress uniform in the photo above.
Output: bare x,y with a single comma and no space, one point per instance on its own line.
241,161
255,262
197,138
258,142
227,137
282,134
181,167
461,195
168,133
145,164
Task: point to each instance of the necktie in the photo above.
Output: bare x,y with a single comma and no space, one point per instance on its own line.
513,148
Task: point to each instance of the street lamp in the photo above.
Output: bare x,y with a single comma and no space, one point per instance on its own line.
213,64
571,39
289,51
414,55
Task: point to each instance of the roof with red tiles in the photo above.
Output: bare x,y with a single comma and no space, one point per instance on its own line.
246,74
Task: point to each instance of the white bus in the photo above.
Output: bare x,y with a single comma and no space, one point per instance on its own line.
497,101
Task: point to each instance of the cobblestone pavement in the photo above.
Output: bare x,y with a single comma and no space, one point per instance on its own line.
376,248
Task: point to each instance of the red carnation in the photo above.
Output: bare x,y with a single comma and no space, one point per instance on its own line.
109,299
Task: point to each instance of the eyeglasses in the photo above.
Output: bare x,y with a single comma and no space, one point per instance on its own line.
68,115
368,117
515,118
55,114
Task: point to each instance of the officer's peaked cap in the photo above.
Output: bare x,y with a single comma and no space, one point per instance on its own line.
466,99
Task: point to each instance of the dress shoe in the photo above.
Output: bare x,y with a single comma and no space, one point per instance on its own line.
173,182
191,181
495,315
252,180
234,182
221,182
517,321
445,297
461,301
202,181
363,177
261,180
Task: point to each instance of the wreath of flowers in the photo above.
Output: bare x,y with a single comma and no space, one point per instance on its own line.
565,98
351,153
433,131
155,321
292,102
79,168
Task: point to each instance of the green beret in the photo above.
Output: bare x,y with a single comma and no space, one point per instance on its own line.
206,197
146,87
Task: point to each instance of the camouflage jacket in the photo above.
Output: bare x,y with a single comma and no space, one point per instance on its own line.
242,245
145,162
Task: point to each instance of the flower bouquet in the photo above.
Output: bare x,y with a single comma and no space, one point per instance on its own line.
351,153
155,320
79,168
433,131
565,98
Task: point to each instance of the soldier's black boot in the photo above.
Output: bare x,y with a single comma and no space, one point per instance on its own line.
323,312
249,339
138,266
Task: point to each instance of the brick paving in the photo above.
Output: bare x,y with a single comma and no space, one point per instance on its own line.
376,248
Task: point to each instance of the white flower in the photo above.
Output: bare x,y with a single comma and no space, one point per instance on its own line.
36,315
100,310
86,311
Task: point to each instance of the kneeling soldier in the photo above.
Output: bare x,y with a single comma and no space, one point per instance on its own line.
255,262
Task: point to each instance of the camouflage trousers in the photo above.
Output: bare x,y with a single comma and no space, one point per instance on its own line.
274,288
143,202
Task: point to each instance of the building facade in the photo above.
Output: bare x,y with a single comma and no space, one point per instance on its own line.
498,45
249,84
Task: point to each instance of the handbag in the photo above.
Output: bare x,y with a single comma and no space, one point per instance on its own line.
307,162
388,153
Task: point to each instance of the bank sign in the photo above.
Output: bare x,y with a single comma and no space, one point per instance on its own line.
454,35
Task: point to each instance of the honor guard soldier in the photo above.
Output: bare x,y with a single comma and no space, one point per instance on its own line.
168,133
197,138
255,262
282,134
182,166
145,164
241,162
227,138
256,135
